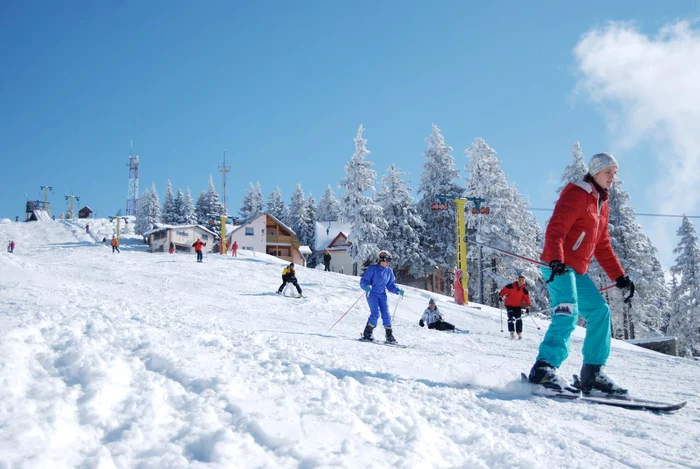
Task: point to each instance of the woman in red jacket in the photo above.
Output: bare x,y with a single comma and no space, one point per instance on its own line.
517,298
577,231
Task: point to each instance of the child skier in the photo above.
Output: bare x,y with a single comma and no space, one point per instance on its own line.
289,276
433,318
376,280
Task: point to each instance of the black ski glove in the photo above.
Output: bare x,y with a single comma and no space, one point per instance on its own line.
623,282
558,268
421,323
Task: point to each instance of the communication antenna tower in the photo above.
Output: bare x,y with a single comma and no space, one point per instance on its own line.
224,169
132,198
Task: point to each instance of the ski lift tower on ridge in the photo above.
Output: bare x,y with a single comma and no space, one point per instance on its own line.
462,229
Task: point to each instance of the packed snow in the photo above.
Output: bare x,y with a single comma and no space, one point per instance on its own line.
153,360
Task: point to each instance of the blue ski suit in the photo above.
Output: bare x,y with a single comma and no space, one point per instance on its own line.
380,279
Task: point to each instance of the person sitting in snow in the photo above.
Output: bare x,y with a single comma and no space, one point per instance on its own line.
433,318
289,276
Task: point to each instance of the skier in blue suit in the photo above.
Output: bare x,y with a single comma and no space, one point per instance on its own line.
376,280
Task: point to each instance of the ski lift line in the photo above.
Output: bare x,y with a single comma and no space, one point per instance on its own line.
638,214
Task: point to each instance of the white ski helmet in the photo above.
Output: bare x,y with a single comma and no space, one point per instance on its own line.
384,256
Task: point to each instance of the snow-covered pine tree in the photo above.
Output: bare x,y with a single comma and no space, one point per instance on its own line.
575,171
367,223
328,208
685,319
148,212
190,213
308,233
404,225
252,205
508,226
296,211
439,235
276,206
179,216
201,209
650,308
170,217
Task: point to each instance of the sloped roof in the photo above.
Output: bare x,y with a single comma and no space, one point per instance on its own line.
327,231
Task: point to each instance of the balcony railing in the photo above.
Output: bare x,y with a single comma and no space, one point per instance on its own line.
280,239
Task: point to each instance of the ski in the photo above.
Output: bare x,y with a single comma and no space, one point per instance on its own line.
623,402
378,342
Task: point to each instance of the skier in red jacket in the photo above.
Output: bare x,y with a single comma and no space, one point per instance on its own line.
198,245
577,231
517,298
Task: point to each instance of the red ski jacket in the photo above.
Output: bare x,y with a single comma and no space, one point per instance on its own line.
578,230
516,296
198,245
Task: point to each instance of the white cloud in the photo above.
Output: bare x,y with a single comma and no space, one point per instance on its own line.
648,89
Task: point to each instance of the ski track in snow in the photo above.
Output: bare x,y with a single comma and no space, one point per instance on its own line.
152,360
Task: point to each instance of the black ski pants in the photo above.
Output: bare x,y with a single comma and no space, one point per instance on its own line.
327,266
441,326
115,247
199,256
289,279
515,324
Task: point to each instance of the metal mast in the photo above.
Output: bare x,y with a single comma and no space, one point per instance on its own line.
132,198
46,198
224,169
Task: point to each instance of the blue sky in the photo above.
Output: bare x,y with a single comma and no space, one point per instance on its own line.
283,87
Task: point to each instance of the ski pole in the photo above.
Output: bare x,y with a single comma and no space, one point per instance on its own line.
395,308
346,312
533,320
501,309
533,261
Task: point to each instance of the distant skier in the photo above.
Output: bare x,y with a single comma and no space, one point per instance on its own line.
115,244
17,219
87,228
198,245
577,231
234,249
327,261
104,240
289,275
517,298
171,249
433,318
11,247
377,279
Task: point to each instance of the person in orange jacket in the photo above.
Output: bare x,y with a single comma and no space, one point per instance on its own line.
115,244
198,245
234,249
517,297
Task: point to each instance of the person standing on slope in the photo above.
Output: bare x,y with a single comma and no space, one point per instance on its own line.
377,279
517,298
577,231
198,245
115,244
234,249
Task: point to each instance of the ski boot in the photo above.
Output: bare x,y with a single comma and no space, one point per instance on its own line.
367,334
594,378
512,335
545,375
520,335
389,336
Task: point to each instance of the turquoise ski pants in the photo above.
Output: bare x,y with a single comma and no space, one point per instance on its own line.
572,294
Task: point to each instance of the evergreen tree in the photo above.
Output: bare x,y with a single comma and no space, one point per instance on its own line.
404,224
179,214
508,226
438,177
148,213
575,171
275,205
308,232
208,208
296,213
358,209
328,208
252,206
170,217
638,258
190,213
685,321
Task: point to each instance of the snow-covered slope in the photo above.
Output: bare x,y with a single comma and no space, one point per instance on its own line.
152,360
